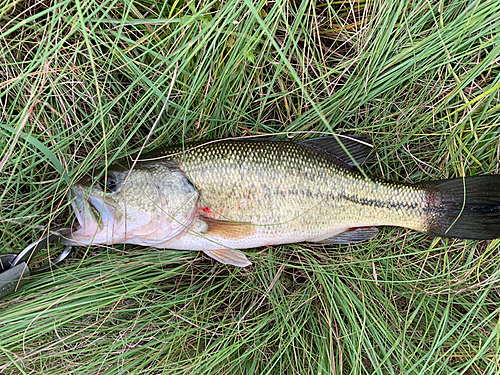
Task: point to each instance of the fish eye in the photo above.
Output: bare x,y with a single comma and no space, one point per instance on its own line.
109,184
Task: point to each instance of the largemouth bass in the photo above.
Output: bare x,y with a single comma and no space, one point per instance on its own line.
220,196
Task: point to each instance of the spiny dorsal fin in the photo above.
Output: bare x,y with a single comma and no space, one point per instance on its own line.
227,229
358,146
228,256
353,235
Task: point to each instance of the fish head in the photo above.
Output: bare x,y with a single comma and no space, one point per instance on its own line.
147,205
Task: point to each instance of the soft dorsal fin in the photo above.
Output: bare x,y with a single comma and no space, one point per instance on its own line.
358,146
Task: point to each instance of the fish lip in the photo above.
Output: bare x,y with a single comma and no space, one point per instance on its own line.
76,198
77,202
92,214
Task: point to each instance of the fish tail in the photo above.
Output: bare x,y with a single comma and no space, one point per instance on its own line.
467,208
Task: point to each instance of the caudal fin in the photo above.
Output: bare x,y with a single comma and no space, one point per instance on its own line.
466,208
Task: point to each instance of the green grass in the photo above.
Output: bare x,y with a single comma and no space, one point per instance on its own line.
83,83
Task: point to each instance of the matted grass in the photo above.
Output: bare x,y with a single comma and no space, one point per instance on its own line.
86,82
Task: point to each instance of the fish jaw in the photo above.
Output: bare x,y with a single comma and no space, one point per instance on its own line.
96,219
100,222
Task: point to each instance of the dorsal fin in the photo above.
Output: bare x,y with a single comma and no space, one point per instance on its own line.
358,146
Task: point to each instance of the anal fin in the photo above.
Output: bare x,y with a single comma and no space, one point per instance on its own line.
228,256
352,235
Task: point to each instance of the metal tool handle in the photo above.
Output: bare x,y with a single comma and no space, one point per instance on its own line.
12,278
14,268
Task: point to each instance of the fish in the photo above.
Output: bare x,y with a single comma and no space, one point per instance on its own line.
222,196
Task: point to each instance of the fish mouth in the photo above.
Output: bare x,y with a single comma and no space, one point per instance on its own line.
92,214
82,206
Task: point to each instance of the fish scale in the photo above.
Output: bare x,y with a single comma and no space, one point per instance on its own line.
301,192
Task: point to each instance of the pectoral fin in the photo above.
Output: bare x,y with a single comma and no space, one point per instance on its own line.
352,235
227,229
228,256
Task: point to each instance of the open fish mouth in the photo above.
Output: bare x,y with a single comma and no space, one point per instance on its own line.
92,214
83,208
